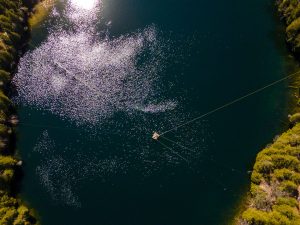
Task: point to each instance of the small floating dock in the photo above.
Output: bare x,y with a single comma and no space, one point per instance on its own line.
155,136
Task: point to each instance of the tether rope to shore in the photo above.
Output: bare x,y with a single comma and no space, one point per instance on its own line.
176,153
212,179
227,167
178,144
157,136
229,103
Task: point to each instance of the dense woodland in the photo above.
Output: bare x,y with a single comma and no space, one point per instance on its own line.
275,181
13,34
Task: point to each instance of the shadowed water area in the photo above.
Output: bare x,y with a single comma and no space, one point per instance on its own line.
101,76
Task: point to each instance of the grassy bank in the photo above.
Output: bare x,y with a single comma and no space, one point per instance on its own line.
13,34
274,197
40,12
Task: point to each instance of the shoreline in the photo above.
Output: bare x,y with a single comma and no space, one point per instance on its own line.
14,34
274,195
40,11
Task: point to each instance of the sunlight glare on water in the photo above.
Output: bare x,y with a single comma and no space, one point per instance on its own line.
98,77
91,80
84,4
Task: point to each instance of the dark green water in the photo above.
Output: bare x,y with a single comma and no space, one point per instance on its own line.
113,173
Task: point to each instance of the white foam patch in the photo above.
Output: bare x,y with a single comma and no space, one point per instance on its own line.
87,81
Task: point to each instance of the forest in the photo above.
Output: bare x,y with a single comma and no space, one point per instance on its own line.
14,32
275,180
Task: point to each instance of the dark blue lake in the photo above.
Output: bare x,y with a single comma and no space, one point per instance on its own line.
100,77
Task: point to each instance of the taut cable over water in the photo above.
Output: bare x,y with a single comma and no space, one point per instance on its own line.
156,135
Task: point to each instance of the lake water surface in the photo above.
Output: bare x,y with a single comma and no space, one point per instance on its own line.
101,76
